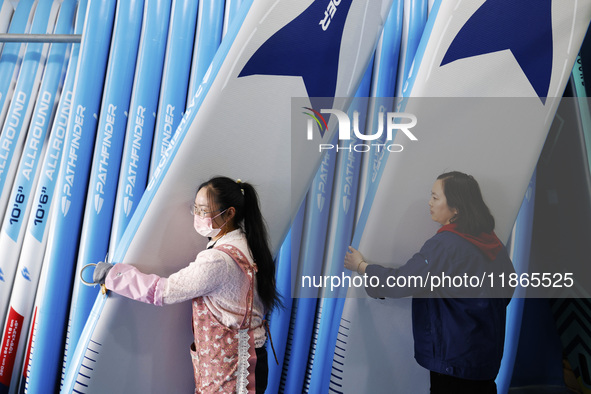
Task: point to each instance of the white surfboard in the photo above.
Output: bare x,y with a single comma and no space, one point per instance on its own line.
238,126
498,140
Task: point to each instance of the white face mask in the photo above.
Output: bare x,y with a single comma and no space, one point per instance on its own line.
204,226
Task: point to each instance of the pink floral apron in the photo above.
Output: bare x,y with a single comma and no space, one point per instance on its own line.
224,359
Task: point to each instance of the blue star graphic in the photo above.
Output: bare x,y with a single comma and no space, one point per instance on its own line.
522,26
308,46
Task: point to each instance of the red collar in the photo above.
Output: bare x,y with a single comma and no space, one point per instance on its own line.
488,243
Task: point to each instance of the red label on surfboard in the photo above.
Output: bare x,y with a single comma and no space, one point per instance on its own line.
12,333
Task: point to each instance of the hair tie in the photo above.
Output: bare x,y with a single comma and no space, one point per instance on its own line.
239,181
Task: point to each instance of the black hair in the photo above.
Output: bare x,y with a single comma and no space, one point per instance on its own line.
225,193
463,194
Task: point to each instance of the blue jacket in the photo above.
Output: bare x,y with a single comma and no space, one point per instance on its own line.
458,331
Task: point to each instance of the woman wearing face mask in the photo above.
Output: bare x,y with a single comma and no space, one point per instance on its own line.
459,332
231,283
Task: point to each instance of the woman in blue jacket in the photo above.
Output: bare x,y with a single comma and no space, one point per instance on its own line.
459,331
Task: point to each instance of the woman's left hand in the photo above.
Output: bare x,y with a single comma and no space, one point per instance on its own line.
353,259
100,272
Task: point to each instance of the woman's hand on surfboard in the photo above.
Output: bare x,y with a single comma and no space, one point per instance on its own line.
100,272
354,261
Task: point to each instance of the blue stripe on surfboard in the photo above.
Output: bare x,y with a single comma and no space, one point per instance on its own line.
120,251
348,170
15,125
13,135
26,280
102,188
521,247
383,83
310,264
142,116
362,221
279,321
416,24
67,215
175,80
572,316
27,176
208,35
10,59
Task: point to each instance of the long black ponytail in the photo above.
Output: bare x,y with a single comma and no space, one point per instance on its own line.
227,193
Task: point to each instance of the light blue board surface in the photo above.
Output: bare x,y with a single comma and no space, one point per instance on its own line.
66,218
142,116
106,160
36,235
210,19
175,80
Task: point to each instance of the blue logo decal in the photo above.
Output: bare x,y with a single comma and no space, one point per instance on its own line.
308,46
524,27
1,275
26,274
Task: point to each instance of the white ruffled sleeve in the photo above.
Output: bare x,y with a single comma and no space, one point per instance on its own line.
200,278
